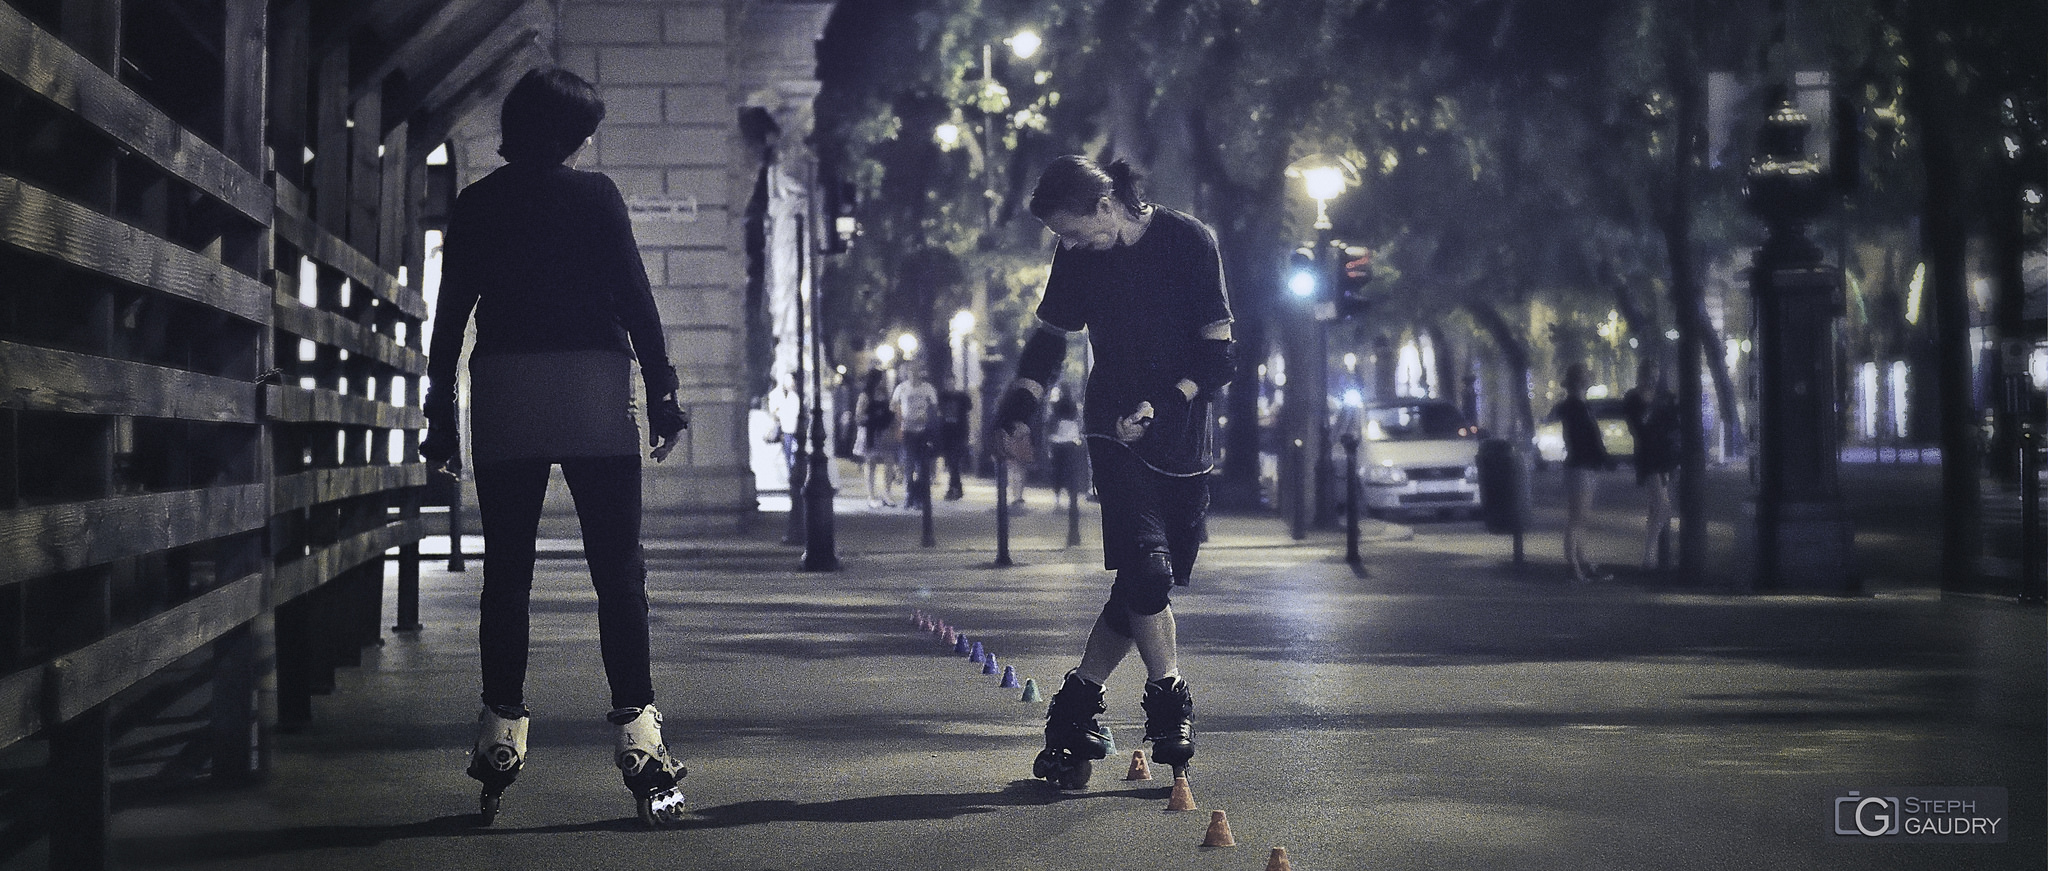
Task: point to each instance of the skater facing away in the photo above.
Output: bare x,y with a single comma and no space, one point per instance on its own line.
1146,283
544,255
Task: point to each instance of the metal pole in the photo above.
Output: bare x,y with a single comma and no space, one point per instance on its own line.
1351,498
923,466
1073,515
795,530
821,551
2033,585
1002,509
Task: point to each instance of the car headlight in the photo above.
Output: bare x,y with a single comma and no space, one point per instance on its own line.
1385,475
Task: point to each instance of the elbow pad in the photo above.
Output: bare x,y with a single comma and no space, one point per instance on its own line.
1019,404
1212,364
1041,358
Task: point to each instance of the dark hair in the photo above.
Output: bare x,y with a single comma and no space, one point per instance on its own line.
547,115
1072,183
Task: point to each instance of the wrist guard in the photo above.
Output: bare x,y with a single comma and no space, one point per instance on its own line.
1018,405
659,379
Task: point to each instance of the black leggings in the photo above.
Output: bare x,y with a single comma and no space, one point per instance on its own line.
607,495
1152,525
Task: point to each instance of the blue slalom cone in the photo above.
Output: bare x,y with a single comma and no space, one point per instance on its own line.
976,655
988,666
960,645
1031,691
1009,678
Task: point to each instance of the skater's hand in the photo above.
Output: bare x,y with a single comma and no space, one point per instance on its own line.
1014,443
1132,427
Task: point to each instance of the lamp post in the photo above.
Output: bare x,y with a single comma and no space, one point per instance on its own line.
1801,537
1323,179
821,547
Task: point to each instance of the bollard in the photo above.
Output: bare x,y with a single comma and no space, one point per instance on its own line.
925,508
1073,517
1504,490
1351,494
1002,510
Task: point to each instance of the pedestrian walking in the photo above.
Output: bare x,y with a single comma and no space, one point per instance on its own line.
915,402
955,410
1146,283
879,443
785,409
1653,422
1069,451
544,255
1584,456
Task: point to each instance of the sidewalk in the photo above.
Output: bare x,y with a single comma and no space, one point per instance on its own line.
1442,711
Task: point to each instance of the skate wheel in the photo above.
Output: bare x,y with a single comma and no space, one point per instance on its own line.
1064,771
487,808
662,809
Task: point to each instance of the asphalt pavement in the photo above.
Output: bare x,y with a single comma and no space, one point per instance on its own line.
1436,707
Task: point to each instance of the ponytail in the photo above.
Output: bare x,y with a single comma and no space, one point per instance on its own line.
1072,184
1123,179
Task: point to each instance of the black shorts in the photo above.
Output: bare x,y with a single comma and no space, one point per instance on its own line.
1145,511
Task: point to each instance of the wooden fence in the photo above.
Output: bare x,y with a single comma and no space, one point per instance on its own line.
210,363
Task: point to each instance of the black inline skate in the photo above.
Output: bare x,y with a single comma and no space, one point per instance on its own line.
1073,740
1168,709
644,761
497,756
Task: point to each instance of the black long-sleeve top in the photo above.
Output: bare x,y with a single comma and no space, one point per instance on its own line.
544,254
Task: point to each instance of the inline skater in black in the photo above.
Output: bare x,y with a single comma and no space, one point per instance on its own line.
1146,282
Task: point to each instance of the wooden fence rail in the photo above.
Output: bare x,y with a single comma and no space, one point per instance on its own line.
210,369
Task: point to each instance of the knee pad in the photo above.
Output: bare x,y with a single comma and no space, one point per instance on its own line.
1143,590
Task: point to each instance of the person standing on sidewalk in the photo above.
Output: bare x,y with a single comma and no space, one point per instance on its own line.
544,255
1584,456
914,400
1653,422
1069,450
878,443
1146,282
955,408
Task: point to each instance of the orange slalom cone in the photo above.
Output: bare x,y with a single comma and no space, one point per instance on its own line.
1219,832
1181,799
1278,861
1139,770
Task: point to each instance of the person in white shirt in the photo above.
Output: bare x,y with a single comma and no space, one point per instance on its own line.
914,400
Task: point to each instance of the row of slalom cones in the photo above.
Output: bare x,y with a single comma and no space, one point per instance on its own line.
977,655
1181,798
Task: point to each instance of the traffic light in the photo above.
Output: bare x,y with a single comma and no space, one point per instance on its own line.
1304,281
1352,277
842,198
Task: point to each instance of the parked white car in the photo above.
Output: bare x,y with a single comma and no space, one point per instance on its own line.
1414,456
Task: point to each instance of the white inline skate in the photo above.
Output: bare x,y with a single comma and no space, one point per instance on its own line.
649,771
499,753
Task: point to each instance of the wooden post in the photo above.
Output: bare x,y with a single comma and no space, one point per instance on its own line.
237,729
80,794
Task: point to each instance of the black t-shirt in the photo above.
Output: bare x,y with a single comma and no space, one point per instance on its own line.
1144,306
1583,447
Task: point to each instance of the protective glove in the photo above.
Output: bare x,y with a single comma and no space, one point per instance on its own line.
444,441
666,419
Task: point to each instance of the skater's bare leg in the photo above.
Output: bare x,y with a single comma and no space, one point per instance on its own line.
1155,636
1106,650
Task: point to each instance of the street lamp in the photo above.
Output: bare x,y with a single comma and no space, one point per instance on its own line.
908,343
885,355
1323,178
